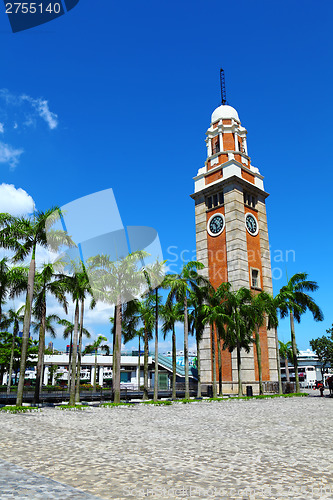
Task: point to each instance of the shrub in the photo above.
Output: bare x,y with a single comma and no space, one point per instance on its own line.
19,409
72,407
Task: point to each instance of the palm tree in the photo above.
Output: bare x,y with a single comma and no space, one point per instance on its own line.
46,285
6,349
130,331
94,348
214,314
170,314
286,353
13,281
262,308
273,322
117,282
23,236
12,318
138,312
180,286
78,286
295,301
236,306
82,331
155,279
68,333
196,327
44,324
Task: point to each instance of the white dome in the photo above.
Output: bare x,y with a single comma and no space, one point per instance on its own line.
224,112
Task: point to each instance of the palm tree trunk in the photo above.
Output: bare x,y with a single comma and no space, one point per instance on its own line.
239,368
214,361
145,365
156,347
187,382
114,326
70,361
26,328
174,364
41,377
139,363
219,356
95,372
11,362
294,347
74,354
117,354
79,356
41,350
198,367
286,361
258,349
278,361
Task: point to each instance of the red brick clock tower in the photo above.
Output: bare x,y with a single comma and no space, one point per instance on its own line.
232,237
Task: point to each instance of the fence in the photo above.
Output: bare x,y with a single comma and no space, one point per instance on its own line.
273,387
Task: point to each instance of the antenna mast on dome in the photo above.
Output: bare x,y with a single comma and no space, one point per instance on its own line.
223,92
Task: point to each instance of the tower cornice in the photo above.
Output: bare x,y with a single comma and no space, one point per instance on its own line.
234,179
231,168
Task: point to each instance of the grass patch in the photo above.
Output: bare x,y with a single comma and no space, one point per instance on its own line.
111,405
270,396
186,401
157,403
19,409
72,407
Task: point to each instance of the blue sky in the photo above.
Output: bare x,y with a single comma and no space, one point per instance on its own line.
120,96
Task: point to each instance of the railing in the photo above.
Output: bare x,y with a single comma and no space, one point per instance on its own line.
273,387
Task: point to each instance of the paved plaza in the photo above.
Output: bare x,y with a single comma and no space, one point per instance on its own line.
258,449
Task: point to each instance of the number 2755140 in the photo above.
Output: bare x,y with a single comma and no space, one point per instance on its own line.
32,8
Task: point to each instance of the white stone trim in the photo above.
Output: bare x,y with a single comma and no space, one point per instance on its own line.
236,142
259,182
221,140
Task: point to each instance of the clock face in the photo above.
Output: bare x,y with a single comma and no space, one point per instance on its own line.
251,224
216,225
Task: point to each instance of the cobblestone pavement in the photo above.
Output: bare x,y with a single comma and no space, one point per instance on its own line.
258,449
18,483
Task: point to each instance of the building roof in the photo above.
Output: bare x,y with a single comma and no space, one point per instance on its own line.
224,112
166,363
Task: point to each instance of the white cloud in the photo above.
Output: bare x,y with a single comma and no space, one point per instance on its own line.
45,113
9,155
31,106
43,110
15,201
2,128
99,315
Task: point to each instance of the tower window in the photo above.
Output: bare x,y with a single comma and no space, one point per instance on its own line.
214,200
255,278
250,200
216,145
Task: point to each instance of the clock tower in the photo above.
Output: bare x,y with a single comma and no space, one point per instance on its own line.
232,238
